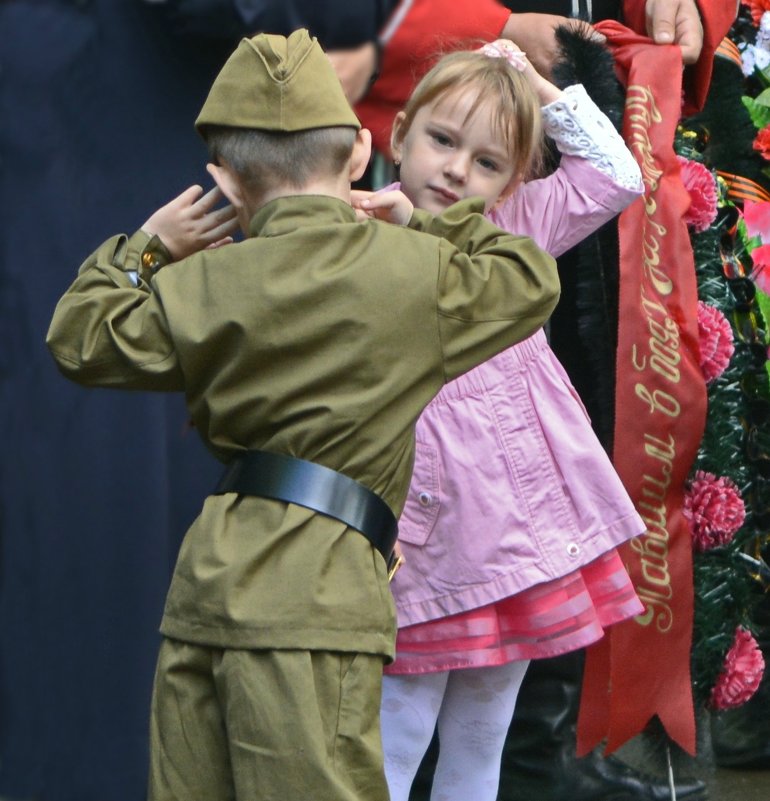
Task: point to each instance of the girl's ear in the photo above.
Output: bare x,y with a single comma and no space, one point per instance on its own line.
397,136
362,152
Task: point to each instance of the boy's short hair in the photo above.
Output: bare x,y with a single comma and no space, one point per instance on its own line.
265,159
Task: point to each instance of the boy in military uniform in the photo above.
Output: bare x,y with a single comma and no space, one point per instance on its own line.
306,353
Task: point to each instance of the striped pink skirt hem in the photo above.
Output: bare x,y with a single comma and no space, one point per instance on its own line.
545,620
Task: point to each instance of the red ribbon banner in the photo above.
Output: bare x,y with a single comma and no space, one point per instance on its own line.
641,668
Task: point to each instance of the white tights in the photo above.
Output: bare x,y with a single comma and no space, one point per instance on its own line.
473,710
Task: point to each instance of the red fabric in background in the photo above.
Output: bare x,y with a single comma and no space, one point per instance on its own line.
717,16
643,667
429,29
432,27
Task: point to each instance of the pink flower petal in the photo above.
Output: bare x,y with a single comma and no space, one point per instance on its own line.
716,344
761,273
700,184
757,217
741,673
714,508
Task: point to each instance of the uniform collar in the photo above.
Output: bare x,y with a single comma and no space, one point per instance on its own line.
285,214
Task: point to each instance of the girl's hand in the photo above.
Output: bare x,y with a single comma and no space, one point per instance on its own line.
393,207
190,222
517,58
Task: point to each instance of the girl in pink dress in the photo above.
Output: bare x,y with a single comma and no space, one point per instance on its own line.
514,512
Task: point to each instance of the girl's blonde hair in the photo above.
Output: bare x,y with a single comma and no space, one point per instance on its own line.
516,108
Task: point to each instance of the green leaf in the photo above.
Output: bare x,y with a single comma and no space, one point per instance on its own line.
760,114
763,99
763,301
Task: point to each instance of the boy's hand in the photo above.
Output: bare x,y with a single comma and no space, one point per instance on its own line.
393,206
190,222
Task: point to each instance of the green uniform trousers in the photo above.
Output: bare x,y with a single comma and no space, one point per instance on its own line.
259,725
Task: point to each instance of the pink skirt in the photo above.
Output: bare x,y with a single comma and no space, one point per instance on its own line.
545,620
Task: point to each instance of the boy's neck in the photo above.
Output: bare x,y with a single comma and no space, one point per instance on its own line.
336,187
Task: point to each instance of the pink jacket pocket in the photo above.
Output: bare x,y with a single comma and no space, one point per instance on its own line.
424,499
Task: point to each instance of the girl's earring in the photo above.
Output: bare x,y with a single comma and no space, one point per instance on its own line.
396,162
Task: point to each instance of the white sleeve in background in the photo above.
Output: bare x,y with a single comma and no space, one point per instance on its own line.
579,128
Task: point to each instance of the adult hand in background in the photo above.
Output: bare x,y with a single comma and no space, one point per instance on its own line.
676,22
355,69
534,34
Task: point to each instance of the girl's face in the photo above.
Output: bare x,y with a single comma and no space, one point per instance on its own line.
446,157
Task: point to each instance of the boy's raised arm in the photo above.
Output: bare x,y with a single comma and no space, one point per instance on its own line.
109,329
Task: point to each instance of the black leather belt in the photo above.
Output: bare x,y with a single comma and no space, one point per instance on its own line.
284,478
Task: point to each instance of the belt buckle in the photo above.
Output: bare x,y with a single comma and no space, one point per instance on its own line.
394,563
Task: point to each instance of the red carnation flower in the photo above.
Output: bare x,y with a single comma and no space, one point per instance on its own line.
715,337
741,673
702,187
762,142
758,8
715,510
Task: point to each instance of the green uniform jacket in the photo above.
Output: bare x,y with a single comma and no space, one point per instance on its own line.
319,337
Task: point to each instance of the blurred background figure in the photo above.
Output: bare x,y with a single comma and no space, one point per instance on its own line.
96,487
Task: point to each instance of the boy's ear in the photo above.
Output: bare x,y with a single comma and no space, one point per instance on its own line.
225,180
397,136
362,152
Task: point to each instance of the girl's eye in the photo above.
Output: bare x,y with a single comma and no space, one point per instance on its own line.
488,164
441,139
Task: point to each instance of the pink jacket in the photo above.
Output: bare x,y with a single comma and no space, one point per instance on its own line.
511,487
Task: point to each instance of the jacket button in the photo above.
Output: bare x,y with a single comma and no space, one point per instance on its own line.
573,549
426,499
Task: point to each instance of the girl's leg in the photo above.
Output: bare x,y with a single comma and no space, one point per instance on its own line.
408,713
472,725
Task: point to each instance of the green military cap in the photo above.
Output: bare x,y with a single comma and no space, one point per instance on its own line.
274,83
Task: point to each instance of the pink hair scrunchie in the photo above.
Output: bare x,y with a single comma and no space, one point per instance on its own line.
503,48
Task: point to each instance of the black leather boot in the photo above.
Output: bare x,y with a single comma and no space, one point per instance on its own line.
539,762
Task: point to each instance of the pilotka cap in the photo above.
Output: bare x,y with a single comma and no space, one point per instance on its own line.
274,83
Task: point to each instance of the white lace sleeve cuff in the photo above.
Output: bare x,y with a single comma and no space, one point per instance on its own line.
579,128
